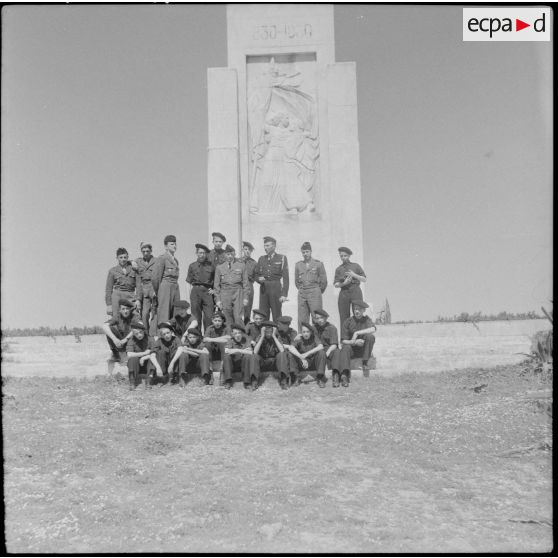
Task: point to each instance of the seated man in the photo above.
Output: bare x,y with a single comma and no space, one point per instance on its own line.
287,335
216,336
328,337
165,349
239,358
254,328
118,330
182,321
357,341
140,357
309,354
193,358
270,355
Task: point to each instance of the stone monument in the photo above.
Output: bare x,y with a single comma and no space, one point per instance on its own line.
283,154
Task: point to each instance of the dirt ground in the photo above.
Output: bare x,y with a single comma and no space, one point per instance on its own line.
451,462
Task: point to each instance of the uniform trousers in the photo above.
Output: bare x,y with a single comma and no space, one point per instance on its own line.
346,296
190,364
135,368
202,305
270,291
149,314
279,363
352,351
231,302
238,363
119,354
247,310
168,295
316,362
334,360
309,300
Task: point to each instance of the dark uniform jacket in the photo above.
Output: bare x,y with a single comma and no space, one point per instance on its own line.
253,331
212,331
135,345
327,335
120,326
166,268
341,271
303,345
268,348
312,274
287,336
180,324
199,346
169,348
122,279
250,268
244,343
216,257
201,273
274,268
145,271
352,324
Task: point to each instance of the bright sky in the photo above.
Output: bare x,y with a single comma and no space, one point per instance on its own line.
104,144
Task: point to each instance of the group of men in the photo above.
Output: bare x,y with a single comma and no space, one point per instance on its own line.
152,328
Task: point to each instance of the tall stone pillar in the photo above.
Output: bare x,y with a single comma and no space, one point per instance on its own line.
283,139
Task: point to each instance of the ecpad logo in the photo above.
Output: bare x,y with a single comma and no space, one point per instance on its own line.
507,24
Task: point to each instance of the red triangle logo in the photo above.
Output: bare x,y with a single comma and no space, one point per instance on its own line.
519,25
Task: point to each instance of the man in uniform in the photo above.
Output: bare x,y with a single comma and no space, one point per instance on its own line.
217,255
254,328
118,330
148,300
182,321
122,282
193,358
201,276
287,335
250,263
272,273
270,355
216,336
329,338
357,341
139,352
231,287
165,280
348,277
311,282
239,357
309,353
165,350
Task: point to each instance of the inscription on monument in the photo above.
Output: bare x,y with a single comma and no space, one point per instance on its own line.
282,30
283,137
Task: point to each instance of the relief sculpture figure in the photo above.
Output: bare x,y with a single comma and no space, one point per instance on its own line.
284,144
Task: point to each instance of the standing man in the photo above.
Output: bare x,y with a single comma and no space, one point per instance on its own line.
231,287
357,341
250,264
272,273
311,282
123,282
165,280
348,277
148,300
201,276
217,255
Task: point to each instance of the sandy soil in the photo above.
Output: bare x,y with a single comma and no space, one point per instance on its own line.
413,463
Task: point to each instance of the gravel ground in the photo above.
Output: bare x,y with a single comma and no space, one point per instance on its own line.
451,462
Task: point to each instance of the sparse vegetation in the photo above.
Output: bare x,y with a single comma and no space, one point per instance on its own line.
541,358
51,331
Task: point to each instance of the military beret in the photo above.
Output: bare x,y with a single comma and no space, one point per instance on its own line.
194,331
247,244
168,325
121,251
202,247
346,250
238,326
306,324
268,323
260,313
285,320
125,302
306,246
218,234
229,248
145,245
182,304
321,313
137,325
169,238
219,315
360,303
269,239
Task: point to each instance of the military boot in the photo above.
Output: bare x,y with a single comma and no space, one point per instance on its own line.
335,379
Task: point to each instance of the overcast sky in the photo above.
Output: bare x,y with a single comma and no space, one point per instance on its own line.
104,144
